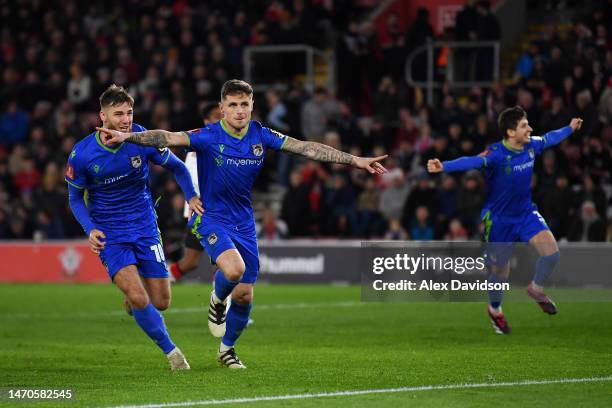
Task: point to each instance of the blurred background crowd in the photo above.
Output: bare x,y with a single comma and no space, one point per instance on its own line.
173,57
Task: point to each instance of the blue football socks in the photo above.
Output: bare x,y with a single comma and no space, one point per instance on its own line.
151,321
237,319
545,265
223,286
495,296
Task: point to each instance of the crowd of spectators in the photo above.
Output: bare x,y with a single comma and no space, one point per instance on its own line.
173,58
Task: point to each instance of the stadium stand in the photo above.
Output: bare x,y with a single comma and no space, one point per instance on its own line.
55,62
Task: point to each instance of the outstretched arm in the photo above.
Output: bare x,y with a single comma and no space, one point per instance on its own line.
554,137
460,164
323,153
157,137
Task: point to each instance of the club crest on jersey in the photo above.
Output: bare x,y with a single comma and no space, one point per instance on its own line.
257,149
531,154
212,239
136,161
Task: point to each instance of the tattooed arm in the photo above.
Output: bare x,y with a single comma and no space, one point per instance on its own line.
324,153
317,151
158,138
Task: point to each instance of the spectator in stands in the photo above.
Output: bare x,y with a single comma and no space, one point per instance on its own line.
466,22
488,29
418,34
421,228
456,231
391,41
316,114
421,195
556,206
387,100
51,201
556,117
586,110
555,68
171,221
448,194
27,178
276,112
6,179
527,61
13,125
591,192
605,104
547,173
79,88
424,140
40,59
589,227
396,232
596,158
341,202
270,227
393,197
469,201
439,148
369,219
347,126
295,209
277,121
407,159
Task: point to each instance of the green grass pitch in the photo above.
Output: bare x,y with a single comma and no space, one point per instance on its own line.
306,339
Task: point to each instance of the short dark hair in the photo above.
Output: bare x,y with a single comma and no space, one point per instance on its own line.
509,119
235,86
115,95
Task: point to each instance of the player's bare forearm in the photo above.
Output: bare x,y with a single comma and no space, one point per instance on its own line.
317,151
158,138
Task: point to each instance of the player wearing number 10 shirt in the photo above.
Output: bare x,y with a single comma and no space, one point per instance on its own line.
118,215
509,214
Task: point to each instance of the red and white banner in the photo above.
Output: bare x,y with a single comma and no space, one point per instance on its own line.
62,261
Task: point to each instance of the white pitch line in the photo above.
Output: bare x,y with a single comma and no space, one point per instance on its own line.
366,392
177,310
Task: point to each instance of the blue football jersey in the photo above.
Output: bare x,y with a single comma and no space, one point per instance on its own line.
117,184
508,174
228,166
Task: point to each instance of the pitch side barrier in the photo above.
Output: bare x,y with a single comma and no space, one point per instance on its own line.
582,265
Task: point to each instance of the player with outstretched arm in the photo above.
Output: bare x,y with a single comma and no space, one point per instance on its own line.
230,154
509,215
119,218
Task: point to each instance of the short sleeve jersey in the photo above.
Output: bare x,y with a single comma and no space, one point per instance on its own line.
117,184
228,166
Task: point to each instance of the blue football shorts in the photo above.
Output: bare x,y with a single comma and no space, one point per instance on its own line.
146,253
501,234
217,237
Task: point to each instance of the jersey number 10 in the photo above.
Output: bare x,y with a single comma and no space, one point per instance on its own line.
159,252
